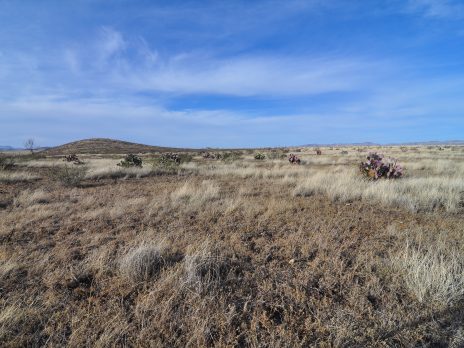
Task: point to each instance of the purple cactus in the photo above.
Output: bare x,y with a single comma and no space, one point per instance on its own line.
377,166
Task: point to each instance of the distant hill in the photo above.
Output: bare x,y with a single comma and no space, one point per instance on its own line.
105,146
448,142
6,148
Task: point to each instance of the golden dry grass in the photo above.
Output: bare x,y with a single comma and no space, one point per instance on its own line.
246,254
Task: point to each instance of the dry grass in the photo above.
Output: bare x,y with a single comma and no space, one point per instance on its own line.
28,198
413,193
205,267
12,177
433,269
194,194
142,263
253,254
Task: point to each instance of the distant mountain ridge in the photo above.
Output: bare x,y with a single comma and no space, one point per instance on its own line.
432,142
7,148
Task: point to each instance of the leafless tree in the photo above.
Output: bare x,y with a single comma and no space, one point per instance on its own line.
29,144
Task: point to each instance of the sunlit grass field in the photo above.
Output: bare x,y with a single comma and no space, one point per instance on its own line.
243,252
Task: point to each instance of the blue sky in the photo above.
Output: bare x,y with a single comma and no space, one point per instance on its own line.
231,73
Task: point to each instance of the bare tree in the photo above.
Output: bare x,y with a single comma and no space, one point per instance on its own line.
29,145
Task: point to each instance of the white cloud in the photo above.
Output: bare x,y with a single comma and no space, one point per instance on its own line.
113,64
252,75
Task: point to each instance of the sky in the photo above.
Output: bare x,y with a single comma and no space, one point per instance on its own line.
231,73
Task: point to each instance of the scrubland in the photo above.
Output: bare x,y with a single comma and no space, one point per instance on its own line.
241,253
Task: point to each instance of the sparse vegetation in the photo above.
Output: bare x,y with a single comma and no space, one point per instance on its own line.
229,157
432,273
253,253
260,156
131,160
7,163
74,159
70,176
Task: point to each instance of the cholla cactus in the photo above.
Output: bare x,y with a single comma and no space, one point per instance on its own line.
170,157
212,155
260,156
294,159
131,160
377,166
73,158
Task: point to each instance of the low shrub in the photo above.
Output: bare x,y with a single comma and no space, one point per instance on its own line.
6,163
260,156
344,152
276,154
70,176
318,152
230,156
185,158
131,160
377,166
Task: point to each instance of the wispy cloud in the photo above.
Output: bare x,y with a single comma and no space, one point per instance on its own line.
113,62
438,8
231,73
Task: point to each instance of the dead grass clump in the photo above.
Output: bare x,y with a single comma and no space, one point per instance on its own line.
28,198
205,268
431,272
127,172
13,177
143,263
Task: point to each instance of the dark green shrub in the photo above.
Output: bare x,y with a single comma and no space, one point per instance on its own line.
260,156
131,160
